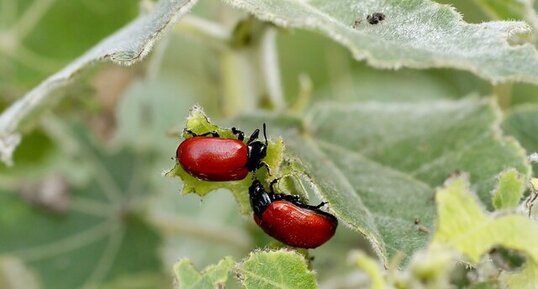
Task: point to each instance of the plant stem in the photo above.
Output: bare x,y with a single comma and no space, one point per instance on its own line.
186,227
31,17
156,60
72,146
208,32
239,82
304,94
271,68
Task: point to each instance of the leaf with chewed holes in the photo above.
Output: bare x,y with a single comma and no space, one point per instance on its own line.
215,276
464,225
377,164
199,123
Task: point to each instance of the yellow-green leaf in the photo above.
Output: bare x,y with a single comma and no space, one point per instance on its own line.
464,225
276,269
372,268
187,277
199,123
509,190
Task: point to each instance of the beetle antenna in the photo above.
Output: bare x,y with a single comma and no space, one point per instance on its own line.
273,183
265,133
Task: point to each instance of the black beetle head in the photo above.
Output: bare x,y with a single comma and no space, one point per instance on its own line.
257,151
259,197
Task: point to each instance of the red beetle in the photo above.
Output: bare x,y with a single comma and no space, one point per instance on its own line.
287,219
211,158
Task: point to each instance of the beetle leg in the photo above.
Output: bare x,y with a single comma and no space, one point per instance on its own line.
240,134
272,184
320,205
264,164
212,133
190,132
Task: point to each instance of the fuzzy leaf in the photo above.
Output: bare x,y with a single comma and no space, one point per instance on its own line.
464,225
415,33
522,123
125,47
276,269
187,277
378,164
96,237
199,123
509,190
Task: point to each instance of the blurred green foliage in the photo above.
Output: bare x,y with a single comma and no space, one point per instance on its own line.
111,220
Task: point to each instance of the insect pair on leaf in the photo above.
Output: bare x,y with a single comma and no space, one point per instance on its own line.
210,157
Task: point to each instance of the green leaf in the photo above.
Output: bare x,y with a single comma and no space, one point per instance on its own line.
505,9
378,164
99,237
415,33
187,277
14,274
465,226
509,190
522,123
143,118
275,269
199,123
430,269
127,46
30,57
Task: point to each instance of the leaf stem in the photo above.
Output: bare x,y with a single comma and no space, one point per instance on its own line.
31,17
156,60
64,245
102,268
304,95
91,207
71,145
271,68
25,56
221,235
239,82
210,33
